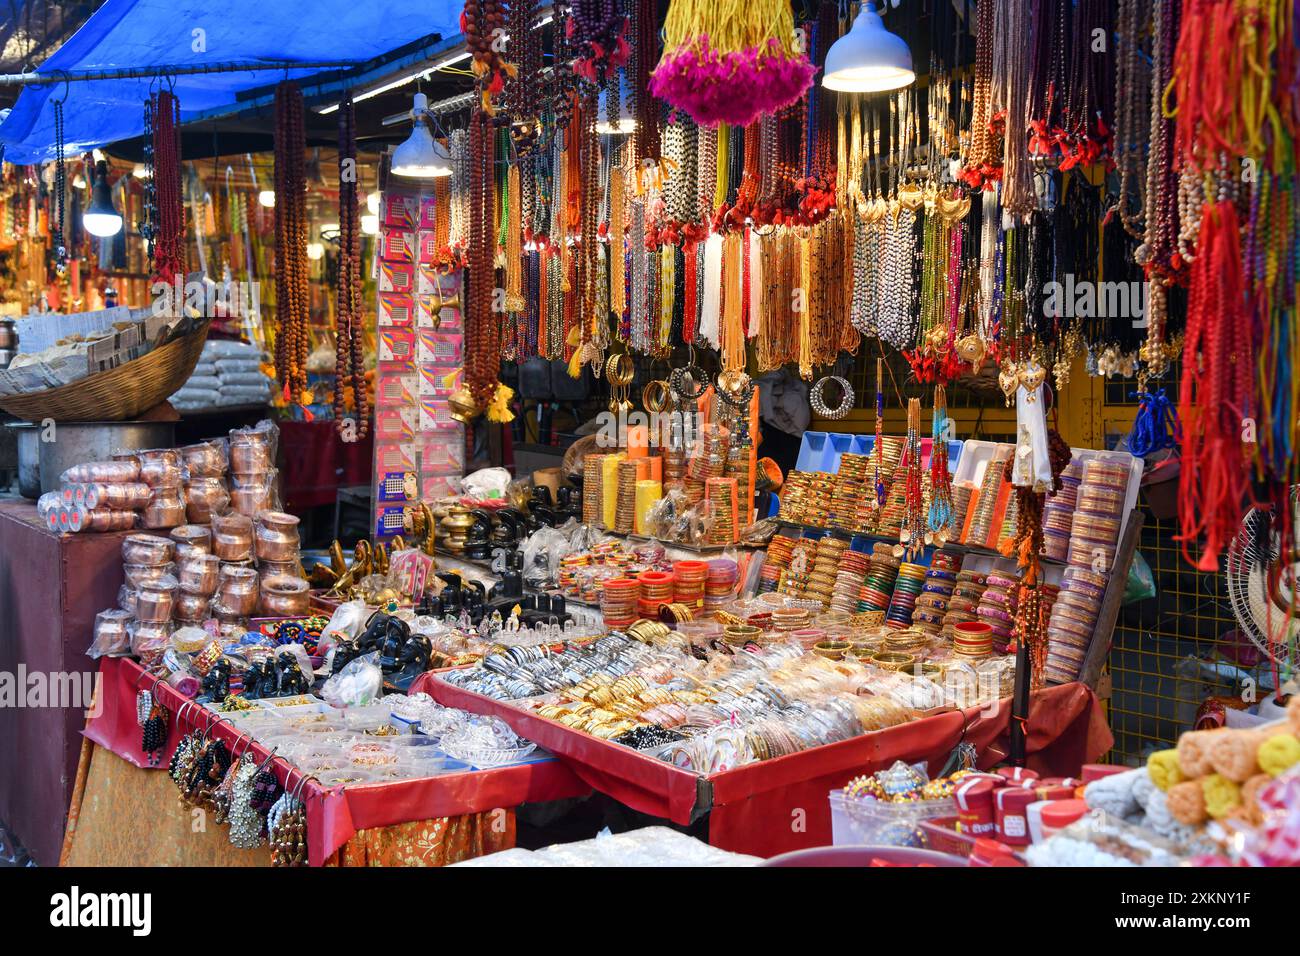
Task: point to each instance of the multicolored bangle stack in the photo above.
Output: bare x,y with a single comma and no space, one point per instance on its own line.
1058,513
997,608
848,582
907,588
881,575
932,603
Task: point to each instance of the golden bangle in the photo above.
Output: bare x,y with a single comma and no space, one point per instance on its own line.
619,369
655,395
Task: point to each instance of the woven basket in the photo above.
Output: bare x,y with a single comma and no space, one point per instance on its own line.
119,393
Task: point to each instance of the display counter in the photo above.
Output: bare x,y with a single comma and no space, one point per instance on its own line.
780,805
334,816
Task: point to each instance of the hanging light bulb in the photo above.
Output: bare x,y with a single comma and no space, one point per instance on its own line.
315,251
266,198
372,203
370,225
101,218
868,59
140,171
421,156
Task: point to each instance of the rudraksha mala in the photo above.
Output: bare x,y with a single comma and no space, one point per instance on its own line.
292,340
482,329
349,361
169,238
483,22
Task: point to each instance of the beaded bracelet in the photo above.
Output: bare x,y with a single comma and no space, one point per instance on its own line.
815,398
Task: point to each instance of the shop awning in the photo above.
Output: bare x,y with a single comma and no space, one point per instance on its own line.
135,34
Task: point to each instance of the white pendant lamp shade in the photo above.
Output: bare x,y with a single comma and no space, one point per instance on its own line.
868,59
421,156
100,218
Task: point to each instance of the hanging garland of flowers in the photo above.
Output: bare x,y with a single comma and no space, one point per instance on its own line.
712,50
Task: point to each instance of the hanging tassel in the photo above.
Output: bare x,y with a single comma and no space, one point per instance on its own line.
1155,426
941,515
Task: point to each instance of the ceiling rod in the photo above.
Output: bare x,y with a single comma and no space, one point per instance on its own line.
150,72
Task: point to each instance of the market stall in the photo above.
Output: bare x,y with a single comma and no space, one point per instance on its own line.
932,246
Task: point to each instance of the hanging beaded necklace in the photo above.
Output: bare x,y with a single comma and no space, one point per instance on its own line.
169,238
349,360
1133,91
292,302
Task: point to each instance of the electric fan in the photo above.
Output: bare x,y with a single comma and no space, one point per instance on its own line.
1263,587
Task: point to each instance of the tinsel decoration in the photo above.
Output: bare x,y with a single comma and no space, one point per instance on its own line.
713,49
292,303
349,317
941,516
169,240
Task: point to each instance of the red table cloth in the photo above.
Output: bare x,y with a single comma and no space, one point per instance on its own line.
318,462
775,806
335,815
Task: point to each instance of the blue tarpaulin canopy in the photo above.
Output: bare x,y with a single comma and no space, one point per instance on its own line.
141,34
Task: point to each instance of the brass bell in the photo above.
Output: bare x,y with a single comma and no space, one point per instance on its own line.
463,407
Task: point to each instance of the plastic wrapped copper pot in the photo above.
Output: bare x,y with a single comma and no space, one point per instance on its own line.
279,569
166,508
251,493
250,451
128,496
155,601
150,549
277,536
111,635
237,591
161,468
108,472
197,537
199,574
149,640
191,608
285,597
207,459
126,599
232,537
205,497
107,519
138,575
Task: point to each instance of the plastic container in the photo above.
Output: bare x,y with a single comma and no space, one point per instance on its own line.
1060,815
857,822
